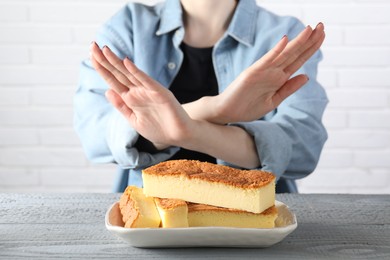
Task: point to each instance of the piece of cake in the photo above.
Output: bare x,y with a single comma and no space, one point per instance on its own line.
211,184
138,211
200,215
173,212
178,213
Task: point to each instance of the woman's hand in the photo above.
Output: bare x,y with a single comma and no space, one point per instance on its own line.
264,85
151,109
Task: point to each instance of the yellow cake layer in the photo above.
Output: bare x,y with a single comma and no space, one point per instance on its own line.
211,184
200,215
173,213
138,211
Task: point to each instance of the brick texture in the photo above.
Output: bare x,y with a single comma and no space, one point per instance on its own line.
43,42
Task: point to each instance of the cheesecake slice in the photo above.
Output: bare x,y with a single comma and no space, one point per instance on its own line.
173,212
211,184
200,215
138,211
177,213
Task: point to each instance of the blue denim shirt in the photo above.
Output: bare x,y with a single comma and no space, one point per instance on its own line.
289,140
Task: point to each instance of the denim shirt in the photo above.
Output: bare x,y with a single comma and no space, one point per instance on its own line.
289,139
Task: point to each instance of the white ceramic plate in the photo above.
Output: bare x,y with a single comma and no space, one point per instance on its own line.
203,236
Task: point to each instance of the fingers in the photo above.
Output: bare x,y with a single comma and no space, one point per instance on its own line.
106,74
292,49
292,68
120,75
117,101
313,44
109,69
274,52
139,75
118,65
289,88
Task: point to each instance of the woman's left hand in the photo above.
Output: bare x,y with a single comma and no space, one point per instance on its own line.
265,84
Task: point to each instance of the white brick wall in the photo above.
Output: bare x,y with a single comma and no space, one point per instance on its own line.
42,43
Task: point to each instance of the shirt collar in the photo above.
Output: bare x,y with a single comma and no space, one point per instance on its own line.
171,17
242,27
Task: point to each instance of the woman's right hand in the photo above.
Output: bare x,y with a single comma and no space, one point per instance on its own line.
152,110
264,85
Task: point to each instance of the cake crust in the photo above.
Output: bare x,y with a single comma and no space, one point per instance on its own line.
137,210
127,207
168,204
247,179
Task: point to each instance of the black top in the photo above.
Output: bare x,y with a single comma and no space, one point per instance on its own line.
195,79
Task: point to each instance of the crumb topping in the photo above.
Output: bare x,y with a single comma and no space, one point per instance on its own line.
169,203
212,172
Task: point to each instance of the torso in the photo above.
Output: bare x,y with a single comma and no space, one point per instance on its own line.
196,79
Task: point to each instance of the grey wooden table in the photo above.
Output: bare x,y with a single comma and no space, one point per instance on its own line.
48,226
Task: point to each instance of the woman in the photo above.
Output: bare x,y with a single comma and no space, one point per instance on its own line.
226,64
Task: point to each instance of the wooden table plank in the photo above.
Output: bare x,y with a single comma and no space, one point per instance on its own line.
72,226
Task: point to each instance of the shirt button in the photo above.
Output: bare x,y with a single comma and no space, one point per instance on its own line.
171,65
